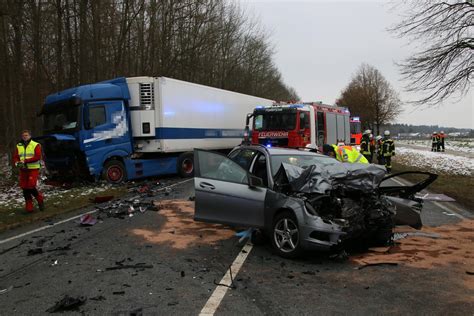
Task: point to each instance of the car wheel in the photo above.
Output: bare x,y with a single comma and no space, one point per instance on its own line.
286,236
186,165
114,171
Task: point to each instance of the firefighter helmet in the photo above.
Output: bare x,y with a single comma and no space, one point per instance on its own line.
378,138
367,132
386,133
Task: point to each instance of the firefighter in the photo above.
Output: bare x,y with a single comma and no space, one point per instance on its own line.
441,141
27,158
378,142
434,141
365,145
372,147
344,153
388,150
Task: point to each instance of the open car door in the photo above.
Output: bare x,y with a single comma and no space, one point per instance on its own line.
225,192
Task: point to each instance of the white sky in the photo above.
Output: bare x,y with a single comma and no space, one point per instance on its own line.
320,44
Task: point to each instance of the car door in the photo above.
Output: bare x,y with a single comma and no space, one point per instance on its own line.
223,193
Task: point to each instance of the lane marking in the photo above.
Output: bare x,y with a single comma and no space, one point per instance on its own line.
437,203
73,218
219,292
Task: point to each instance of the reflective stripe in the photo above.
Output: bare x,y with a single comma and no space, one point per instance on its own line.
359,158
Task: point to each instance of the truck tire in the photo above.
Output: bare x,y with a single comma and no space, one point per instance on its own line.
185,165
114,171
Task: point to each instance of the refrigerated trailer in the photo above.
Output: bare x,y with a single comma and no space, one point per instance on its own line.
129,128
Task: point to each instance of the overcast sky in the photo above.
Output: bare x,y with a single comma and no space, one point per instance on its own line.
320,44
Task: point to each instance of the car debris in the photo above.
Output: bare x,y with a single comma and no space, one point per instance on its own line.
34,251
67,303
377,264
87,220
130,266
303,200
8,289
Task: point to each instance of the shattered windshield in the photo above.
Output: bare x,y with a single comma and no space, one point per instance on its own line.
270,121
302,161
62,117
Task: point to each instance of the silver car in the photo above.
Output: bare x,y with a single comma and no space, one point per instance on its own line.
299,199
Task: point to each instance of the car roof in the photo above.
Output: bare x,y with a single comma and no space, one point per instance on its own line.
281,151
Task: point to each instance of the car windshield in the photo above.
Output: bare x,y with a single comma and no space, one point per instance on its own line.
270,121
63,117
302,161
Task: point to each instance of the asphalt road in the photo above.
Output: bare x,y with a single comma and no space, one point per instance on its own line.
177,265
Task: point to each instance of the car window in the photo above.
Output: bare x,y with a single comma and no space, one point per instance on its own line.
302,161
244,158
218,167
259,168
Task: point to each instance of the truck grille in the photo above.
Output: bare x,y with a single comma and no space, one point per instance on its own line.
146,95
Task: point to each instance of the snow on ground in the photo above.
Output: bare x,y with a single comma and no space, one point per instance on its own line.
435,161
465,145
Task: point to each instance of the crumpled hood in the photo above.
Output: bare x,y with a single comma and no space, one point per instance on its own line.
325,178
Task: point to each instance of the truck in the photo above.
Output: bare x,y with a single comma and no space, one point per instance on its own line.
130,128
309,125
356,131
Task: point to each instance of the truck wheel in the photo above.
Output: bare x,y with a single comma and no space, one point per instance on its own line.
114,171
286,236
186,165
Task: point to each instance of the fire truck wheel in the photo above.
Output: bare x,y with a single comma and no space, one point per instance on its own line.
186,165
114,171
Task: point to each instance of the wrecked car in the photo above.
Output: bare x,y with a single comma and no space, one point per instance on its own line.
302,200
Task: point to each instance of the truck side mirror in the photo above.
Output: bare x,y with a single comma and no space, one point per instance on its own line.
255,181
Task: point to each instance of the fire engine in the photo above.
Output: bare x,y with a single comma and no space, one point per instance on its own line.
310,125
356,132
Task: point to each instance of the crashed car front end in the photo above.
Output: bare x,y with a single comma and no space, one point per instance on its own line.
343,204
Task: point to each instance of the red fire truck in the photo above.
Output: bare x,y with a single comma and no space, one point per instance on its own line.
356,131
299,125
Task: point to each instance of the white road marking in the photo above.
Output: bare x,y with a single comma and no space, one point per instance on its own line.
72,218
437,203
219,292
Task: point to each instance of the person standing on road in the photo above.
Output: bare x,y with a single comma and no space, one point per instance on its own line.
365,145
378,142
441,141
434,142
388,150
344,153
27,158
372,147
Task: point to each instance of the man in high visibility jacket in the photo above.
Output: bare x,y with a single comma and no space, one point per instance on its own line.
365,145
27,158
434,141
441,141
388,150
344,153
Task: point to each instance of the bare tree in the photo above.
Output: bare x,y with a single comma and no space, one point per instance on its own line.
370,96
444,65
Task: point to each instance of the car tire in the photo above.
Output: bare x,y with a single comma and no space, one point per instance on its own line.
185,165
114,172
286,235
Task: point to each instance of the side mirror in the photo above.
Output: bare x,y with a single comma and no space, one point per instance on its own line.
255,181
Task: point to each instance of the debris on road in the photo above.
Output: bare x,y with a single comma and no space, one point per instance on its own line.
8,289
377,264
67,303
98,298
34,251
87,220
130,266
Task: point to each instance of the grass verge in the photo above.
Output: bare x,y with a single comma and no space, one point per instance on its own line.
458,187
11,216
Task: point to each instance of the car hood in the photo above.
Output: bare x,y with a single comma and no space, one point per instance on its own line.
325,178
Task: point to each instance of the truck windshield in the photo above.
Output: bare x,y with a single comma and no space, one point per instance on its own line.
269,121
62,117
355,127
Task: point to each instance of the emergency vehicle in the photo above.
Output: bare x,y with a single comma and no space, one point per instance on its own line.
299,125
356,131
